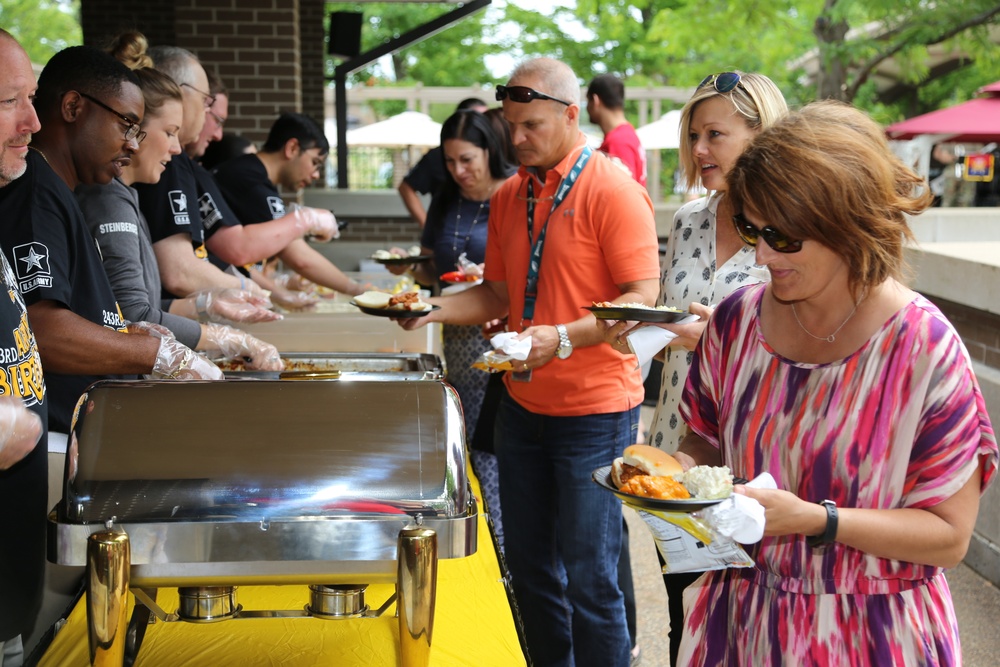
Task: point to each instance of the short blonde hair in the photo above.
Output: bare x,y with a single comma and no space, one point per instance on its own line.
826,173
557,75
755,97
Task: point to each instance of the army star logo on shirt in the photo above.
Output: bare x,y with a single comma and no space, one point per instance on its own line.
31,262
179,207
277,207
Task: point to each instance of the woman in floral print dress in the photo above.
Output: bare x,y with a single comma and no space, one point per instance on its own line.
856,394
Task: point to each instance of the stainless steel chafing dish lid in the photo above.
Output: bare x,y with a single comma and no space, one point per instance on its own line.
347,366
265,450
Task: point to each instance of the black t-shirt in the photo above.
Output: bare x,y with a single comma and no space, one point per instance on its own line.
171,205
428,175
249,191
54,258
212,208
23,486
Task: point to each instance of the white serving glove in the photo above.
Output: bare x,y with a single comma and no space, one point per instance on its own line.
233,305
20,429
316,223
236,344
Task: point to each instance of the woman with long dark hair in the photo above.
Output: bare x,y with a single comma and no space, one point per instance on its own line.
456,224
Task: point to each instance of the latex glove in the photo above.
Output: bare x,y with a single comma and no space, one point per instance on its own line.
316,223
233,305
149,329
176,361
294,300
20,429
236,344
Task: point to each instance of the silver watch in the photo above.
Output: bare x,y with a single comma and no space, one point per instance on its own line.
565,345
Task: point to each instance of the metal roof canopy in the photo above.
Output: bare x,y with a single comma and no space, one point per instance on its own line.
412,37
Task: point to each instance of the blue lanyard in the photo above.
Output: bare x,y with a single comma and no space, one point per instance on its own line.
535,261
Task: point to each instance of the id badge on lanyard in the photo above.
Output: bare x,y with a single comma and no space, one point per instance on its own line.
535,259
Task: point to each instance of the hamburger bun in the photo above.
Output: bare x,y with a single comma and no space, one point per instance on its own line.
653,461
372,299
643,460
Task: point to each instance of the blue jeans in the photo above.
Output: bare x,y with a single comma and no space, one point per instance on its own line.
563,532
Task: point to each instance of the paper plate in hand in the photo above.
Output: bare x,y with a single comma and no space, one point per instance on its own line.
637,314
396,261
603,478
393,312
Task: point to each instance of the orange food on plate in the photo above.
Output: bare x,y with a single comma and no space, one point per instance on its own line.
458,277
663,488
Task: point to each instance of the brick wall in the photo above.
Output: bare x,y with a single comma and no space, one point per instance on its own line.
103,19
381,231
980,330
254,46
312,20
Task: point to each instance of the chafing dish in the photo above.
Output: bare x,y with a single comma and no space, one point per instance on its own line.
205,486
346,366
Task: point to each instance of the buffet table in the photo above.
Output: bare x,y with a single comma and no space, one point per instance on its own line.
473,625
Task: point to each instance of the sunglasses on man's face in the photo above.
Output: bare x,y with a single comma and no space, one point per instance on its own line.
750,234
723,82
523,94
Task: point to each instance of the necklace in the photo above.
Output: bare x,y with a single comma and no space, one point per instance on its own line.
458,224
38,150
832,337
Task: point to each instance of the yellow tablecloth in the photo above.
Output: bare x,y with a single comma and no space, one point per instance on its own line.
473,625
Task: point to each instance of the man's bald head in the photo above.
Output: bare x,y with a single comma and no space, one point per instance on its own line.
18,120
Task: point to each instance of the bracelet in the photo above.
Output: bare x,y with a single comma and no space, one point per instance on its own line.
830,533
201,305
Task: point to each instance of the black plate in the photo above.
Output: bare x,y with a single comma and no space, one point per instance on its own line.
396,261
392,312
603,477
636,314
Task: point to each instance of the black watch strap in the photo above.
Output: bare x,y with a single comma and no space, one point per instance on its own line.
830,534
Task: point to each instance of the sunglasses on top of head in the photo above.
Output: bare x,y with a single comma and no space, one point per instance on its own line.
722,82
750,234
523,94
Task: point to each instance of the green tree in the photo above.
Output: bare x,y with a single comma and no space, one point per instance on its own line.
43,27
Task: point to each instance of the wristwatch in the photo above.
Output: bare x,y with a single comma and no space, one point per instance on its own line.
565,345
830,533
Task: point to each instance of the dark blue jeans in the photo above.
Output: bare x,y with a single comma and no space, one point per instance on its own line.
563,532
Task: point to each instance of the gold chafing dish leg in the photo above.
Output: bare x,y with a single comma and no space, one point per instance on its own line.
108,562
416,585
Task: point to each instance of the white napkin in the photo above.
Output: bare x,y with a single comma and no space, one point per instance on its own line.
647,341
741,518
507,344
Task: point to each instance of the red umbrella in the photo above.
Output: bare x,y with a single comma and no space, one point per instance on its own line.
977,120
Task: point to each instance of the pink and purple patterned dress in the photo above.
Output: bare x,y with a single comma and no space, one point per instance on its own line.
899,423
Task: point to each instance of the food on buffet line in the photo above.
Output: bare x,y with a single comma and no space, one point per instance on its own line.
459,277
412,251
652,473
381,300
609,304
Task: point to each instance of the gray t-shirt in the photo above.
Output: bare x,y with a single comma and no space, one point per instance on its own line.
113,216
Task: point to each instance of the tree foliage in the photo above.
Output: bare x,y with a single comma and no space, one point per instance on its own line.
43,27
678,42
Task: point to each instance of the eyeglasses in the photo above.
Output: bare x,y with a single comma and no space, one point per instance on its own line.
219,120
723,82
132,132
523,94
209,97
750,234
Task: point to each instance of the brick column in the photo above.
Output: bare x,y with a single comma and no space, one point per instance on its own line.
103,19
312,22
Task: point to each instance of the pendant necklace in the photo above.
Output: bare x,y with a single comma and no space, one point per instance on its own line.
458,222
832,337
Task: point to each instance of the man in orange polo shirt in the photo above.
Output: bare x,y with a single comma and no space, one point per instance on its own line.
573,405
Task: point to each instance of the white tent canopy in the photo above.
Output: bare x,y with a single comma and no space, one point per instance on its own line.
663,133
409,128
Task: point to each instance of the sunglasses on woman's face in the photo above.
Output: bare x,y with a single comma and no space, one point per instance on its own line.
723,82
523,94
750,234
